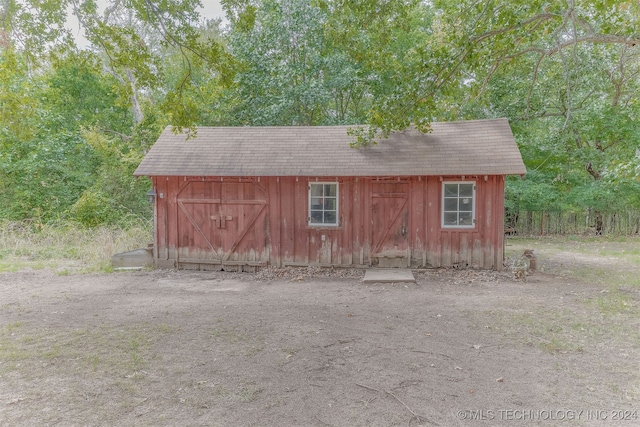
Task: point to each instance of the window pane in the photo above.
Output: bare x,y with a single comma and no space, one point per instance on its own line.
330,218
450,205
316,217
330,204
450,190
451,218
330,190
465,218
466,204
316,203
316,189
466,190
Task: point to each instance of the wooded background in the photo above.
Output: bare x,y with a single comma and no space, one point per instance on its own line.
76,121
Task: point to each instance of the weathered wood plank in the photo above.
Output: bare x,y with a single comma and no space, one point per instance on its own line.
264,219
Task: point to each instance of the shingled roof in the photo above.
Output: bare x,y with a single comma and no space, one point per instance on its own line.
475,147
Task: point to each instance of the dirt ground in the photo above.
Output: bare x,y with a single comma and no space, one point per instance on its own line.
317,348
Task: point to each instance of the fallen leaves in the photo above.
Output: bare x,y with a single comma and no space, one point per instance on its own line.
299,274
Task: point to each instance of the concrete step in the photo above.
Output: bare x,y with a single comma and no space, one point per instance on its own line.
132,260
388,275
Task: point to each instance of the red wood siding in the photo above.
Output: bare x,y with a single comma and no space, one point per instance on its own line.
214,222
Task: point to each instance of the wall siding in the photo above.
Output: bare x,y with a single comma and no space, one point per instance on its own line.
242,223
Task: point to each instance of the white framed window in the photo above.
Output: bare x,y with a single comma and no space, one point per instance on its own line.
323,203
458,204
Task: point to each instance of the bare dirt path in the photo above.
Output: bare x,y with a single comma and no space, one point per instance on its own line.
180,348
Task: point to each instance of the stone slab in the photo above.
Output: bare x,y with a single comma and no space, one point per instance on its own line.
388,275
132,260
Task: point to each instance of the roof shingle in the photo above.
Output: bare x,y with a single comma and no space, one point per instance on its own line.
474,147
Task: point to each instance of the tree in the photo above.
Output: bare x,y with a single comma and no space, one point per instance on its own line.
34,28
284,66
16,96
133,35
384,38
74,122
313,62
564,72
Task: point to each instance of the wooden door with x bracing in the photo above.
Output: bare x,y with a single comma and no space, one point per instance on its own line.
390,223
222,222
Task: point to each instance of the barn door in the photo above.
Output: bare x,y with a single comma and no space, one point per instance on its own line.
390,224
217,222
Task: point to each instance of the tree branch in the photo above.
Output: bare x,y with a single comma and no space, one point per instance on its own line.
538,19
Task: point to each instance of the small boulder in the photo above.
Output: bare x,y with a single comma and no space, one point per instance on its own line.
132,260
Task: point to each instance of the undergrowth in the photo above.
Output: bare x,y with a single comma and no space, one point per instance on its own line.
67,247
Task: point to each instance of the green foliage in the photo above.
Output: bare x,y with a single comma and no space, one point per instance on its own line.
93,208
532,193
137,37
34,27
75,123
42,177
565,73
284,67
116,193
312,62
16,96
388,40
51,167
82,95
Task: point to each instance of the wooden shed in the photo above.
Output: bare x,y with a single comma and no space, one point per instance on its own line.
241,197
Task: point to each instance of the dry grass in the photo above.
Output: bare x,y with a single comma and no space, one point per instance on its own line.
66,247
606,315
610,261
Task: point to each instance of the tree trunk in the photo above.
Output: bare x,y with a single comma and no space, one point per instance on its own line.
138,115
598,222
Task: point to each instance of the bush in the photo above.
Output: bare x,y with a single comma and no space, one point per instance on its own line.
93,208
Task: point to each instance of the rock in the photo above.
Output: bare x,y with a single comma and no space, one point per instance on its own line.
132,260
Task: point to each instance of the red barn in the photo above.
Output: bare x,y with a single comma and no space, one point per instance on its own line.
241,197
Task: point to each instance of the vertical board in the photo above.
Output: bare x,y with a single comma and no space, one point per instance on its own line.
356,221
417,222
487,220
344,243
434,234
287,220
160,220
302,239
274,206
174,185
498,222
